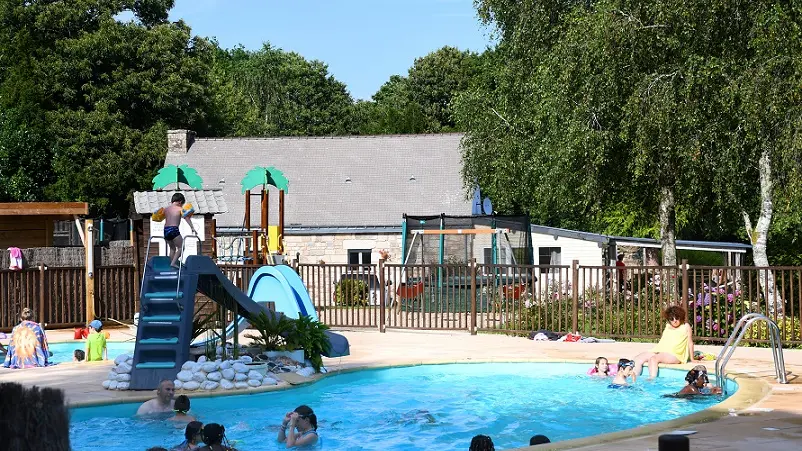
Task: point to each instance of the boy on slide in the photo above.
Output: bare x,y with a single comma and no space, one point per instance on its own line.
172,218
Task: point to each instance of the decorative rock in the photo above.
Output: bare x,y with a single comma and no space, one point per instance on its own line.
122,368
240,377
229,374
184,376
214,376
241,385
240,367
178,384
199,377
226,364
305,372
188,366
254,382
106,384
113,385
122,359
123,378
122,385
112,376
209,367
246,359
209,385
263,358
191,385
226,384
202,359
255,375
269,381
323,370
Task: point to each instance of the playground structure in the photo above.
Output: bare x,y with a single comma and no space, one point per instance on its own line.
167,329
494,243
263,245
167,311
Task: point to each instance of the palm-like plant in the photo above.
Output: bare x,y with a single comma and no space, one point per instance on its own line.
177,174
272,331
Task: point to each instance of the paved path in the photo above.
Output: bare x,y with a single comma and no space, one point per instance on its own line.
780,408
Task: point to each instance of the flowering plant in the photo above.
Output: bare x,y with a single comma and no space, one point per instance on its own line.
384,254
714,309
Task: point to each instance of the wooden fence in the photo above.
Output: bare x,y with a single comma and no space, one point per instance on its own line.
58,295
600,301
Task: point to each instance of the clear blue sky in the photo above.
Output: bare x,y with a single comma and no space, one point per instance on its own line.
363,42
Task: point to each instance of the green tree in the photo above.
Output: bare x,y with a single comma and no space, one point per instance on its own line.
616,114
277,93
107,90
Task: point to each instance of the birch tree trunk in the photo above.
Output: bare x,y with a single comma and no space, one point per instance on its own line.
668,223
759,236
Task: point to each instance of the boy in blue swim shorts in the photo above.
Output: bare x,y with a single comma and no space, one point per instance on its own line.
172,219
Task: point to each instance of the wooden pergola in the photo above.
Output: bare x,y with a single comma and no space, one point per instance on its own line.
30,224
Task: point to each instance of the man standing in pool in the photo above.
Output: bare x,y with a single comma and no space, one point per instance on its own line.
163,402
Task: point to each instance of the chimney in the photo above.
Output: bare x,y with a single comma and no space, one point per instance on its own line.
180,140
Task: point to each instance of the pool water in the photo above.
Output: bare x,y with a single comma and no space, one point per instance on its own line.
62,352
422,407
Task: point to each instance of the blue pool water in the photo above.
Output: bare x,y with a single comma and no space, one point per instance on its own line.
62,352
412,408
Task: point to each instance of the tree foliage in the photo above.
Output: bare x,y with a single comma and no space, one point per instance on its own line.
620,116
106,91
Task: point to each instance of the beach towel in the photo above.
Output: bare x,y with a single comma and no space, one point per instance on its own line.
28,346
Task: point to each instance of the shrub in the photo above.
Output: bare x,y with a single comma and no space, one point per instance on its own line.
273,331
352,292
309,335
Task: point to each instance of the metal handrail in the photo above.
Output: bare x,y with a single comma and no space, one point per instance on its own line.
740,329
180,264
147,253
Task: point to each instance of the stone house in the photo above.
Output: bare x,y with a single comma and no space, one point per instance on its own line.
346,197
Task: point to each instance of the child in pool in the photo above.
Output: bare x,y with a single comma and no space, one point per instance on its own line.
78,355
697,384
602,368
181,407
625,371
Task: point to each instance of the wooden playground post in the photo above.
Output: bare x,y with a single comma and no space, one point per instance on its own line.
280,245
255,246
264,198
382,295
213,234
89,257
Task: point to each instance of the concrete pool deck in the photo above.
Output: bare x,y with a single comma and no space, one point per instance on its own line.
765,415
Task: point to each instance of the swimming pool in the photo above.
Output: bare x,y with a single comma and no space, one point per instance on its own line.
422,407
62,352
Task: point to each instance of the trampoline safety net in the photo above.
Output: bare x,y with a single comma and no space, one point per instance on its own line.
511,246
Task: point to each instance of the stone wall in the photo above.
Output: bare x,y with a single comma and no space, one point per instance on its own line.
333,249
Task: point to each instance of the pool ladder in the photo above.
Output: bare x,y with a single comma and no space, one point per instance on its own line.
735,338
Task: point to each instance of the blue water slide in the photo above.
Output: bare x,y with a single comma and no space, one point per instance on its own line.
283,286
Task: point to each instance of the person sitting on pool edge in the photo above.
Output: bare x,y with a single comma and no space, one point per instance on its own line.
675,345
302,419
181,407
96,349
214,436
163,402
697,384
625,367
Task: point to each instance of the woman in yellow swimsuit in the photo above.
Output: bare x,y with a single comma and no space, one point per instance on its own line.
675,346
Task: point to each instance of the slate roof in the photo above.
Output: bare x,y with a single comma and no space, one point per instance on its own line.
204,201
352,181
